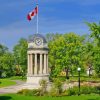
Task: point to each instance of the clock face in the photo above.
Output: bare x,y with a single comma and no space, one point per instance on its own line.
38,41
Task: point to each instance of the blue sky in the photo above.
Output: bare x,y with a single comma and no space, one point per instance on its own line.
60,16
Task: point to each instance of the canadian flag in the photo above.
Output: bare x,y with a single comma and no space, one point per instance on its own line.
31,15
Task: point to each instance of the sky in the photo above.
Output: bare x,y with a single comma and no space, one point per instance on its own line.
55,16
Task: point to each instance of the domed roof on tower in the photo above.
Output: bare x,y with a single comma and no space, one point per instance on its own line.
33,37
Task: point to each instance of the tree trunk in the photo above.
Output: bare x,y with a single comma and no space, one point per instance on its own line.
67,76
0,74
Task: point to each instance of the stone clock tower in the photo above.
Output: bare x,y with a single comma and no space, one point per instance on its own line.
37,60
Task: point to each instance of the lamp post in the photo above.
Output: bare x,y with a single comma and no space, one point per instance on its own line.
79,69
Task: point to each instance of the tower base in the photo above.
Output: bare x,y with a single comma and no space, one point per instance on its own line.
33,81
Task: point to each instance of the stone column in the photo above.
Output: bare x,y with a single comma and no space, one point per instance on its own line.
47,64
44,71
35,67
31,64
41,69
28,64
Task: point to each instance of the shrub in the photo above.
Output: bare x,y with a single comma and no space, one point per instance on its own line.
83,90
34,92
62,78
72,91
58,85
43,84
56,88
97,89
87,90
53,91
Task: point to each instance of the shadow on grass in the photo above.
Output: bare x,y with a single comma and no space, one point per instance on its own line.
5,98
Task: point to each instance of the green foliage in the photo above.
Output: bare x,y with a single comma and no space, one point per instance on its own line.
97,90
58,85
7,65
95,36
36,92
43,84
95,32
3,49
56,89
72,91
83,90
27,92
66,52
69,51
96,60
13,64
53,92
20,55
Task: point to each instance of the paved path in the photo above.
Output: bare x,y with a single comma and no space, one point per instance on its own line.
19,85
12,89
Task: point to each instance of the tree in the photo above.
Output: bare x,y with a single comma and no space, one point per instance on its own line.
87,52
3,50
7,65
50,38
95,32
66,53
95,37
20,55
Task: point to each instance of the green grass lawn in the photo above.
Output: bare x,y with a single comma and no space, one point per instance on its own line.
21,97
95,79
17,78
82,78
6,82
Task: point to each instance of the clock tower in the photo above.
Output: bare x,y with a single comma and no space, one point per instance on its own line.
37,60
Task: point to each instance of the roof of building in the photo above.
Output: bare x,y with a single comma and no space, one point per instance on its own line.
33,37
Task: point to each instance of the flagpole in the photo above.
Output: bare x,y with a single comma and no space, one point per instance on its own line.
37,20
